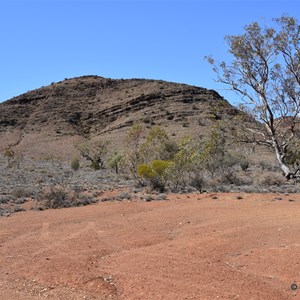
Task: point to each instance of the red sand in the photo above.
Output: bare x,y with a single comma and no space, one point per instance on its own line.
188,247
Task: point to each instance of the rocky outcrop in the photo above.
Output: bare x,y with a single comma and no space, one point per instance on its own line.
93,106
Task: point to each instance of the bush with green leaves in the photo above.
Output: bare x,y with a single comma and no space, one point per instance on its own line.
13,158
183,163
141,148
133,157
244,164
156,146
115,160
75,163
9,154
213,152
95,152
156,173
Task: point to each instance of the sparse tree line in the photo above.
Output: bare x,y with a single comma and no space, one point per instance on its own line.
160,162
154,159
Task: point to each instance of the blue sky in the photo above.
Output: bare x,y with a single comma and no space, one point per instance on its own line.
44,41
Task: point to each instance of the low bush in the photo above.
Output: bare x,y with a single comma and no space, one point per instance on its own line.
156,173
198,182
20,192
244,164
60,196
75,164
271,178
56,197
124,196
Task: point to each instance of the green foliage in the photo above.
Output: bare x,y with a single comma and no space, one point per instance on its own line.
133,156
8,152
215,157
94,152
160,167
264,70
292,157
145,171
156,173
134,136
155,145
13,158
114,161
10,155
75,164
213,152
184,162
160,160
244,164
170,148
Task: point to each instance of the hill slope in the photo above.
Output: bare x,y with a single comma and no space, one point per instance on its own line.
51,118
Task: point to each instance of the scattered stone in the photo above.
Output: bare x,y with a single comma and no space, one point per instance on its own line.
161,197
124,196
147,198
20,201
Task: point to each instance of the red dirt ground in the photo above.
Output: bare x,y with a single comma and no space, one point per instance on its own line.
188,247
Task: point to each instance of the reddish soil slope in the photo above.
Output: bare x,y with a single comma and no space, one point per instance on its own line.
188,247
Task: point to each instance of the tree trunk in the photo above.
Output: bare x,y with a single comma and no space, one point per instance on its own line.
283,166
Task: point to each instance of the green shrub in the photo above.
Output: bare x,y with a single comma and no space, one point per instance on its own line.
244,164
94,152
75,164
56,197
13,160
156,173
114,161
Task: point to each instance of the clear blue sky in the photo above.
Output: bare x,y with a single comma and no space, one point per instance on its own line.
45,41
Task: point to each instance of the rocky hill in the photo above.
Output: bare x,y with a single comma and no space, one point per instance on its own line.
50,119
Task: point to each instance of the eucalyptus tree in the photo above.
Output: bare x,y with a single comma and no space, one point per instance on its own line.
265,71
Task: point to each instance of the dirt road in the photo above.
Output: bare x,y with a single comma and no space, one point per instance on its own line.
220,246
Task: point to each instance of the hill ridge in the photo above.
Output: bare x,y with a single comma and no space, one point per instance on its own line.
91,106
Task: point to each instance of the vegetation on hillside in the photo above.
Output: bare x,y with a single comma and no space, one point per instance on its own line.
157,160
